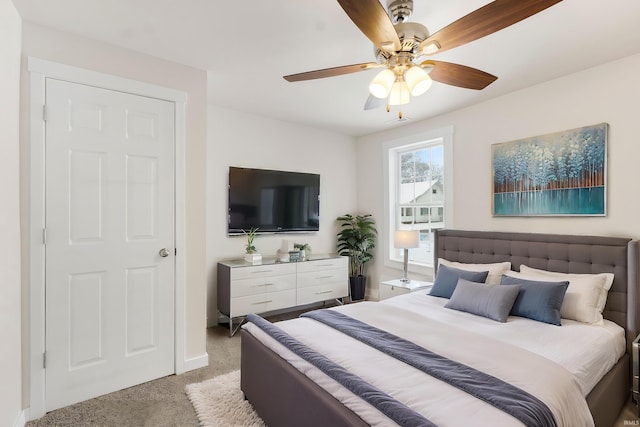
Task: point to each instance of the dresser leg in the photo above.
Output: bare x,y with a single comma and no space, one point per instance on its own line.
232,330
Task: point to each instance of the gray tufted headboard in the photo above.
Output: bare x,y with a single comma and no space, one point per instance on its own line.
555,252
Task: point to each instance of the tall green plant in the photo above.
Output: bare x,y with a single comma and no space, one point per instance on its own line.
356,239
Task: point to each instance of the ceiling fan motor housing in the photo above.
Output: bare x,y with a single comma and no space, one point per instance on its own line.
411,34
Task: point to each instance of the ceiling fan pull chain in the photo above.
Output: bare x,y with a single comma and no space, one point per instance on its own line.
399,111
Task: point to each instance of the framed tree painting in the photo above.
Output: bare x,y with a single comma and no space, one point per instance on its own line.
562,173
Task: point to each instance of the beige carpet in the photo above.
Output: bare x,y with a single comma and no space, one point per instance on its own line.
220,402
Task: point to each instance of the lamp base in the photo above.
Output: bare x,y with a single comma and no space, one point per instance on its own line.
405,279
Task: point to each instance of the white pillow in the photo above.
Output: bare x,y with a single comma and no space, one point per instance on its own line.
586,295
606,278
496,269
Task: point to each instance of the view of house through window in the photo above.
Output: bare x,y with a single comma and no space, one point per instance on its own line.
419,194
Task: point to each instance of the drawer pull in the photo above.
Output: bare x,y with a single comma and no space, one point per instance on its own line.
262,302
325,277
261,271
324,265
263,284
325,292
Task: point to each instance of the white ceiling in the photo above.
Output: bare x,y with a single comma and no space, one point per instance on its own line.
247,46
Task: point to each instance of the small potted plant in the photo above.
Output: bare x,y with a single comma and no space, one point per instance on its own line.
356,239
303,248
251,253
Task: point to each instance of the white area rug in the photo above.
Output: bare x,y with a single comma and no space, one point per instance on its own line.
219,402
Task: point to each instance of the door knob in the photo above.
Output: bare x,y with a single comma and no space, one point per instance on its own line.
164,252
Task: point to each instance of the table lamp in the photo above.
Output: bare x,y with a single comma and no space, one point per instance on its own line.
406,239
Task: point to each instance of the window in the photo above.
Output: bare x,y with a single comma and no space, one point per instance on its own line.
419,193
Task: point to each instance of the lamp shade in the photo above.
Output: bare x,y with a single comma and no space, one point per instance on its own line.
417,80
381,84
406,239
399,93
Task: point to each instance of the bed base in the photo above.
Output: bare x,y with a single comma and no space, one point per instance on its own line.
609,396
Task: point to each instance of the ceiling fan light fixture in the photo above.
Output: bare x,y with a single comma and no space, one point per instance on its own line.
399,93
418,80
382,83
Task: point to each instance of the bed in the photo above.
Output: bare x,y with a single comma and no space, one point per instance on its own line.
282,395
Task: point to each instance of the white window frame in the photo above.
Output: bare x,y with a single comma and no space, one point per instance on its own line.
390,152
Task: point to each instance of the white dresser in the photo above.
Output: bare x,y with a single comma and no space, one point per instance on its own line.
245,288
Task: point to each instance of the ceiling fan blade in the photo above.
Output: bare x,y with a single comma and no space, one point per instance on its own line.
331,72
373,21
488,19
458,75
374,102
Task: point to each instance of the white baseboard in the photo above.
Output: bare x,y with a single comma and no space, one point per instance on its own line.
195,363
21,420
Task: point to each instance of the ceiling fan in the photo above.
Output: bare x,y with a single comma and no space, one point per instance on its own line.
402,48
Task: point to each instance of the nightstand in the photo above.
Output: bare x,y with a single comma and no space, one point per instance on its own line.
391,288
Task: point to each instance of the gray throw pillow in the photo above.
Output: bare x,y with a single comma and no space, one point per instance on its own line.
447,279
538,300
491,301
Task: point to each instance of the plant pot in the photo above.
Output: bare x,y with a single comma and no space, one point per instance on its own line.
253,258
357,285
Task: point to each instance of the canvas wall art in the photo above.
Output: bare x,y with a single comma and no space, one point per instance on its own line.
562,173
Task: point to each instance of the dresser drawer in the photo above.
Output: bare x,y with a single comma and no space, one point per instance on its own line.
242,306
259,285
322,277
317,293
262,271
324,264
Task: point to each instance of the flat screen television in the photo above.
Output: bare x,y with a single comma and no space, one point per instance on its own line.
273,201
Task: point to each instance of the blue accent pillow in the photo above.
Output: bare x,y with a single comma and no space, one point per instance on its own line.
447,279
537,300
491,301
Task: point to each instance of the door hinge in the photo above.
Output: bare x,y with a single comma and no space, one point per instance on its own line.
44,113
44,360
44,236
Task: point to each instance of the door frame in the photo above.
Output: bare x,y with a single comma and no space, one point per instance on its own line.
39,71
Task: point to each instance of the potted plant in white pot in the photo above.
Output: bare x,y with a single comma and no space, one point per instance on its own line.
356,239
251,253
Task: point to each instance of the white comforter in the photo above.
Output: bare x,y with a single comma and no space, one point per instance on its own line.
560,374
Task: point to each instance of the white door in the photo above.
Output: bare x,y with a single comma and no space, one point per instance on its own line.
109,214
